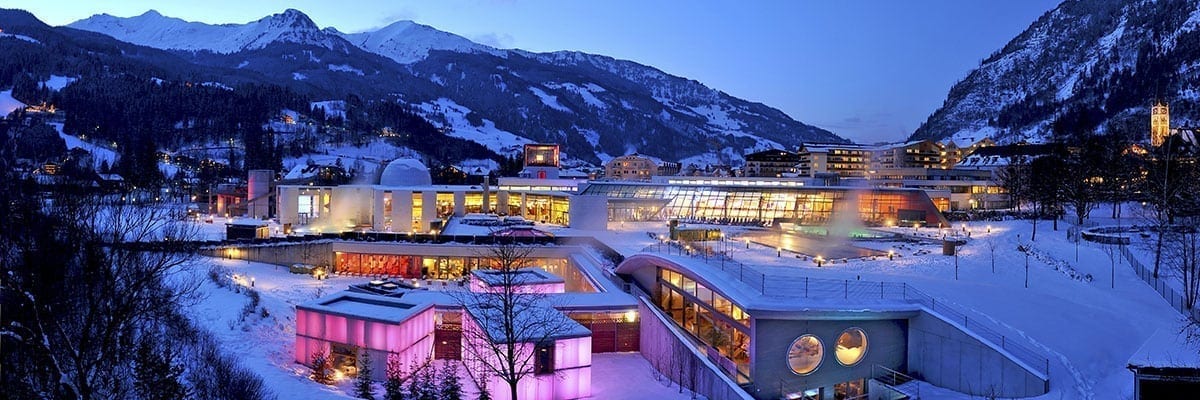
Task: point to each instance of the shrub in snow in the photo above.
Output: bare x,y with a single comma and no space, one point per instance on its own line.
322,368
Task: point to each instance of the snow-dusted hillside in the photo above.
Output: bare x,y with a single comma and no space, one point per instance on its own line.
155,30
1086,66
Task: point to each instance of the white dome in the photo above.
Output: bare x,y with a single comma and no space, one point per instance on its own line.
405,172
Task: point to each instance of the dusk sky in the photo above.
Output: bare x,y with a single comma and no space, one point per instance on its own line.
867,70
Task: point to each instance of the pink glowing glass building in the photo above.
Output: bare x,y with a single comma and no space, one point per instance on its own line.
344,323
553,351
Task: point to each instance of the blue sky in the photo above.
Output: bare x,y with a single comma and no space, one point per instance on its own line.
869,70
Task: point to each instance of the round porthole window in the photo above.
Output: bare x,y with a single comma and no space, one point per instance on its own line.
851,346
804,356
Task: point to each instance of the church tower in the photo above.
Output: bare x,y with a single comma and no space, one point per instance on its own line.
1160,123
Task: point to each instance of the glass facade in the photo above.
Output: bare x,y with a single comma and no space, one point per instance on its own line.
449,267
763,205
711,318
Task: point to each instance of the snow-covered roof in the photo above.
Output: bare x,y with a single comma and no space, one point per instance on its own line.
523,276
405,172
532,321
242,221
1167,348
366,306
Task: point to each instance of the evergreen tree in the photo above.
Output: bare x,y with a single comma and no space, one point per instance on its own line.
362,383
449,388
393,387
320,365
421,385
156,375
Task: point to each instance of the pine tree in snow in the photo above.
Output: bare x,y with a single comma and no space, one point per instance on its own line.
449,388
362,383
393,387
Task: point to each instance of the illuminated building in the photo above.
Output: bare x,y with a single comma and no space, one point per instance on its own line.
771,163
763,201
1160,123
845,160
541,161
392,317
783,337
631,167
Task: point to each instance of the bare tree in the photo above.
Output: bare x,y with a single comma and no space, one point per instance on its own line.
1182,254
506,325
992,244
85,276
1014,178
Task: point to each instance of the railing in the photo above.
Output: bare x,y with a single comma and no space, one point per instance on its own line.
845,289
1160,285
892,379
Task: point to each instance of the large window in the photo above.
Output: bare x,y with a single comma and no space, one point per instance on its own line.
804,356
851,346
710,317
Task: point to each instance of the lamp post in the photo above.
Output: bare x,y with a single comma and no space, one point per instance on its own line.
956,261
820,260
891,254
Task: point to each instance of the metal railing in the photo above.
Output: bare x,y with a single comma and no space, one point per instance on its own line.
892,379
1161,285
846,289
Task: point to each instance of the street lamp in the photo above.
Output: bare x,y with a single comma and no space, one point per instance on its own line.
891,254
820,260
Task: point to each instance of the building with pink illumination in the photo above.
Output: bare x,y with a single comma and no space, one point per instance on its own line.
345,323
553,353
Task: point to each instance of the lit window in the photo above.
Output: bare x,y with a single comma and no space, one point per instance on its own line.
851,346
804,356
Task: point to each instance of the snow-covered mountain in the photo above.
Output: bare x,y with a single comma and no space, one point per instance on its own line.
1085,66
155,30
596,106
407,42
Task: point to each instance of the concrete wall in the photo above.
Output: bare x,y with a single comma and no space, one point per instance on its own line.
278,254
773,378
589,212
945,356
662,345
287,202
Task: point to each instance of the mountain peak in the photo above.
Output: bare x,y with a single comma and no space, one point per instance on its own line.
406,42
155,30
291,19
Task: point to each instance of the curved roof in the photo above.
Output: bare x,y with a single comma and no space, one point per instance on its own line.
405,172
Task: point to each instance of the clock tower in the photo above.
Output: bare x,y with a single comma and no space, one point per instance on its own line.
1160,123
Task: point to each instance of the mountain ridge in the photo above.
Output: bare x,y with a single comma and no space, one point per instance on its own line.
1085,67
597,106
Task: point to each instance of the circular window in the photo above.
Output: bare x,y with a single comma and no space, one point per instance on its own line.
804,356
851,346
